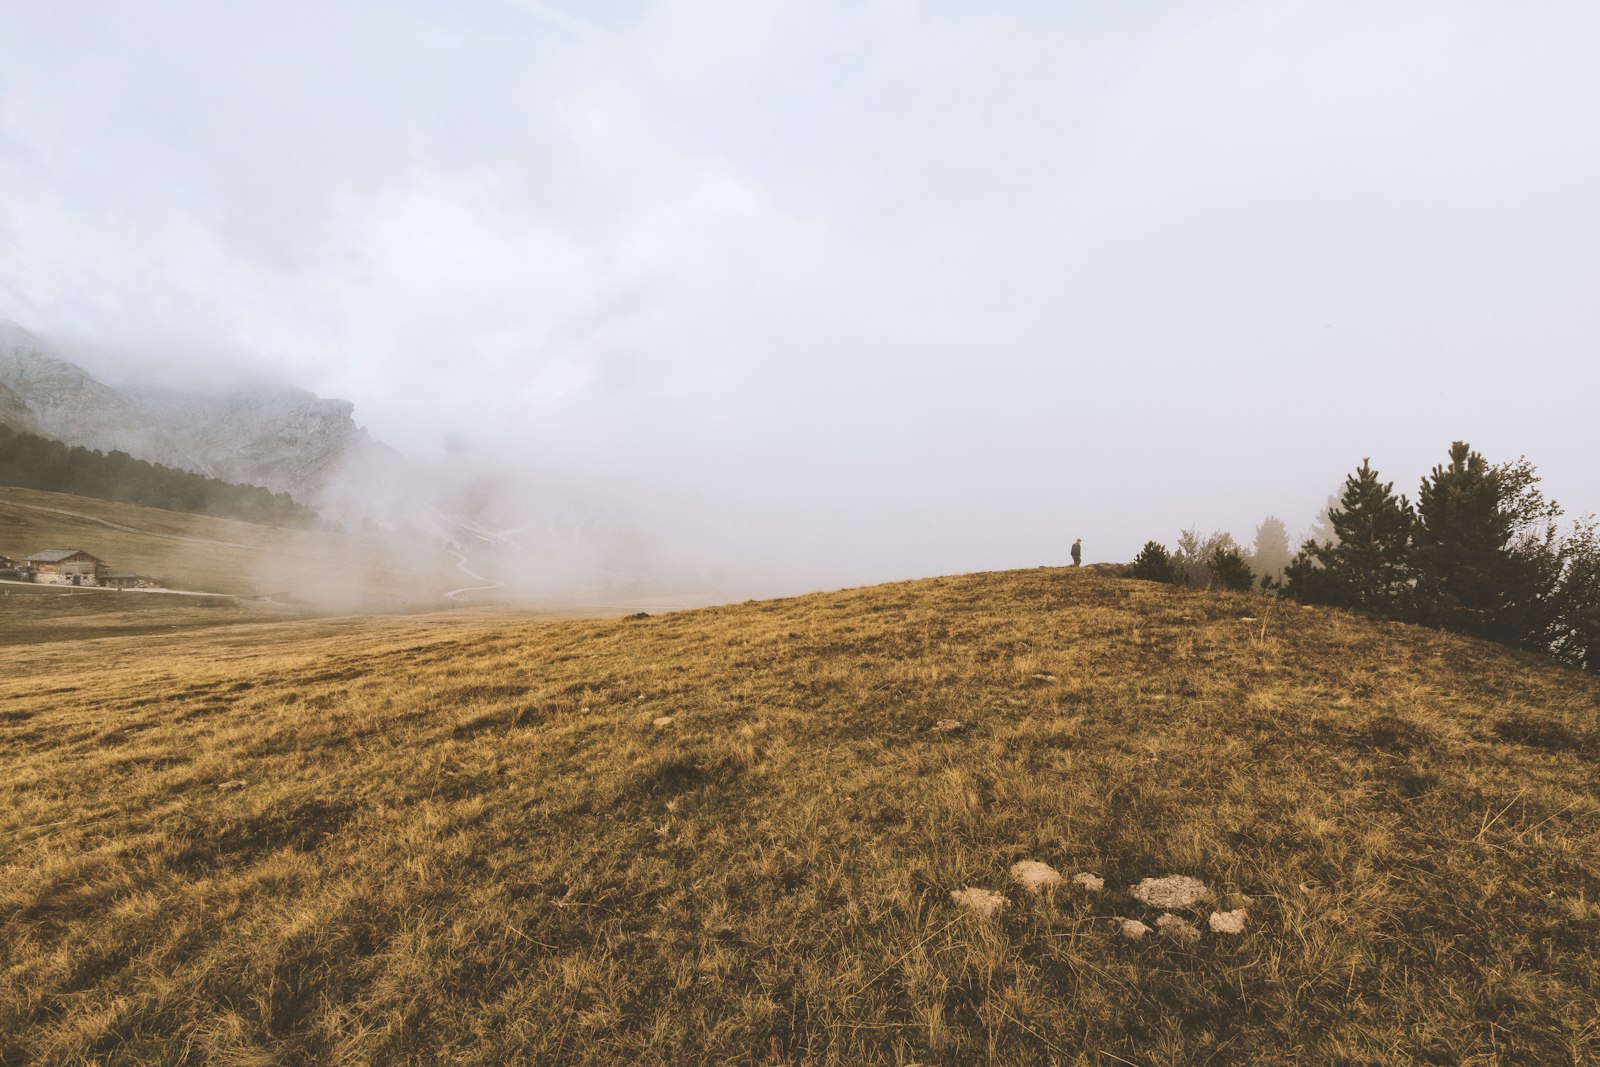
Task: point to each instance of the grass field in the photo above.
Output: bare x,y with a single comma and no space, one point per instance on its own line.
472,839
207,554
33,614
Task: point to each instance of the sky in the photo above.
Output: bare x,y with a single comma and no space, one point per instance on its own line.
840,292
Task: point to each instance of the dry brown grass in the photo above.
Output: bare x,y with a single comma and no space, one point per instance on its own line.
461,839
226,556
34,614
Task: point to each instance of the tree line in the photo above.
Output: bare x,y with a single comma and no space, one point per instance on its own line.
32,462
1217,561
1481,552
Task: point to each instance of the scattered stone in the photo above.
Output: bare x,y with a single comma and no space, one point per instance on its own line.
228,787
1092,882
949,726
1173,891
664,720
1034,876
983,903
637,615
1044,677
1228,922
1134,930
1182,931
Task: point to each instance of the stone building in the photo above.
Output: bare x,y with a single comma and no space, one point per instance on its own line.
66,566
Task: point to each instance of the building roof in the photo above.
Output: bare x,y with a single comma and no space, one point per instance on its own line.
56,555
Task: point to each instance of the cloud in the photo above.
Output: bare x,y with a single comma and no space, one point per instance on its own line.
882,288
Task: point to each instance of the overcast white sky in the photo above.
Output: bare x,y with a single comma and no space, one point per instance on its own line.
878,289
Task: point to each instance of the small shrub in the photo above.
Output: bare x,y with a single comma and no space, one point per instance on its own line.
1152,564
1230,570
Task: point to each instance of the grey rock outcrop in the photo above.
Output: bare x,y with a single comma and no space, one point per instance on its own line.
65,402
286,439
14,412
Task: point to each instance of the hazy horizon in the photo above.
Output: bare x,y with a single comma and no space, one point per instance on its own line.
833,293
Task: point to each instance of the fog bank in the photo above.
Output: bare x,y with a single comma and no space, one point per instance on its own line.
771,296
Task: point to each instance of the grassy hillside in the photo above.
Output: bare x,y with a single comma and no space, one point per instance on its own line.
223,555
33,614
471,840
54,466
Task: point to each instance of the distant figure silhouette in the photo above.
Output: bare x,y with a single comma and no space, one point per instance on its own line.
1077,552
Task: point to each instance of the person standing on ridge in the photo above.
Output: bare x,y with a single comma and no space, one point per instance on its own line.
1077,552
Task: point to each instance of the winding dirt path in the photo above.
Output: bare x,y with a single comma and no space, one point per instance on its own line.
461,565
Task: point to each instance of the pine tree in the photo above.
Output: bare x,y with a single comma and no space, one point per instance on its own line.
1230,570
1578,598
1488,561
1322,526
1153,563
1308,579
1271,553
1366,565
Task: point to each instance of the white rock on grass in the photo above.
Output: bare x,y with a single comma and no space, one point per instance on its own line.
949,726
1034,876
1134,930
663,720
1173,891
1092,882
1180,930
983,903
1228,922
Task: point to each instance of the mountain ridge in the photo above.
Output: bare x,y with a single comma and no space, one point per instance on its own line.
281,437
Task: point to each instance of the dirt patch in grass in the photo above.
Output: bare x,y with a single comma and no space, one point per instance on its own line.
303,825
1538,731
672,776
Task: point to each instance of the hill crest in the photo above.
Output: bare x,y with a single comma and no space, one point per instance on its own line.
732,835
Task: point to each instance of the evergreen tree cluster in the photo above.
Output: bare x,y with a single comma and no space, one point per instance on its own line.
32,462
1479,553
1217,561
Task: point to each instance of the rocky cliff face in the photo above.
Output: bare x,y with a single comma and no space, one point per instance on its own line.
65,402
14,413
286,439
